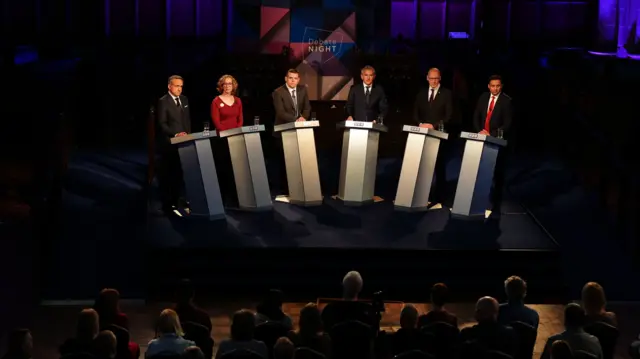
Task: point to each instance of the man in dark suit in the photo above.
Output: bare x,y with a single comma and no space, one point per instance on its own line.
172,112
291,103
488,334
434,106
366,101
492,117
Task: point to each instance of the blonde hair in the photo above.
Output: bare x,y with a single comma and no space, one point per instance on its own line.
169,323
221,84
88,324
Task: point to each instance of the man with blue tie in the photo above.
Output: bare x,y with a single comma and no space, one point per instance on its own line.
366,101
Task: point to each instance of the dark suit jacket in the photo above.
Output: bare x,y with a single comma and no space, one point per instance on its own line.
500,118
360,110
441,109
492,336
285,109
171,119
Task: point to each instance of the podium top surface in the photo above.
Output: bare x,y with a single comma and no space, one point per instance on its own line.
362,125
241,130
483,138
295,125
192,137
426,131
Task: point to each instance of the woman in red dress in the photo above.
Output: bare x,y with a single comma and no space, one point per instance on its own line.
226,113
226,109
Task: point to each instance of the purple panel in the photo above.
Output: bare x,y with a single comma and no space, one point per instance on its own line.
181,17
151,18
209,21
564,20
403,19
524,21
431,20
122,17
607,20
459,16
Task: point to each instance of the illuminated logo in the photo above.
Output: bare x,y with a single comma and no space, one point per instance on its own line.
326,43
358,124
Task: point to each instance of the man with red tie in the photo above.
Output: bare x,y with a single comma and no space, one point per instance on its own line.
493,117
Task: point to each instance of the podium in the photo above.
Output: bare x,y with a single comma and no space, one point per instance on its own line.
476,174
359,161
301,162
199,173
249,170
418,167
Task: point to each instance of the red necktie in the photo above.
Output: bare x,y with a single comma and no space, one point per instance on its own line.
487,121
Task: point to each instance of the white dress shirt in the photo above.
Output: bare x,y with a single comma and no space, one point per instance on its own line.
494,101
433,90
367,87
174,99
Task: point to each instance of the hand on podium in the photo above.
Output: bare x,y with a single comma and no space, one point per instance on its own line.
300,119
180,134
427,125
484,132
349,118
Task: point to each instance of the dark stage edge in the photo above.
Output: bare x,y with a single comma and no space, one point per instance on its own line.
307,251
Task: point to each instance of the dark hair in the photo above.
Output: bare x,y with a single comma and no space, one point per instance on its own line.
193,352
495,77
574,316
561,350
310,321
292,71
271,306
243,325
515,287
107,305
439,294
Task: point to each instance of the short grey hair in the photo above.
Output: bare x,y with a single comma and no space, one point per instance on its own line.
434,69
174,77
352,283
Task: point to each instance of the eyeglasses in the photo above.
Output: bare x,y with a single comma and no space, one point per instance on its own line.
434,78
227,84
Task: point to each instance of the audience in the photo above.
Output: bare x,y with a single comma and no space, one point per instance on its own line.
594,303
488,334
185,308
514,309
574,334
271,309
310,332
19,345
283,349
349,308
108,307
242,327
561,350
408,336
106,345
438,313
170,338
87,329
193,353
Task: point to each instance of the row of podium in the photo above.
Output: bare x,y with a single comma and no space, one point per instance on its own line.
357,168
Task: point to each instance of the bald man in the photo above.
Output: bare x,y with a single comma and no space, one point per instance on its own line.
434,105
488,334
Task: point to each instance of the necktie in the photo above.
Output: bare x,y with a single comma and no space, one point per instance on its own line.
487,121
295,102
432,93
178,103
367,93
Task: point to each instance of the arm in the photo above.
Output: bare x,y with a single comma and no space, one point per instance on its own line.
281,113
215,113
163,119
383,105
306,106
351,102
241,114
448,107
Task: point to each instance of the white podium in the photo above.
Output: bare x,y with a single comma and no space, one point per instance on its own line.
249,170
301,162
476,174
418,167
359,161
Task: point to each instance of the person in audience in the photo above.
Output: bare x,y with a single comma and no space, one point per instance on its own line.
283,349
19,345
349,308
185,308
87,329
193,353
170,335
438,313
108,307
310,332
488,334
242,327
561,350
408,336
514,309
594,302
106,345
271,309
574,334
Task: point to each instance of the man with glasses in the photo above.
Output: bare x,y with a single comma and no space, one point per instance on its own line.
433,109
